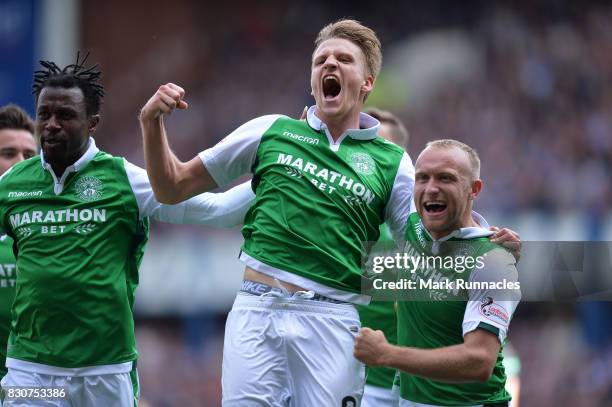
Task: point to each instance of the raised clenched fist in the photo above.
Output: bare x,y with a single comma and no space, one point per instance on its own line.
167,98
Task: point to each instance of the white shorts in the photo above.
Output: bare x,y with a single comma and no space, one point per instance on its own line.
291,352
111,390
379,397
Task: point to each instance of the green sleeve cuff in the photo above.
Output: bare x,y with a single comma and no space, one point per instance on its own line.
489,328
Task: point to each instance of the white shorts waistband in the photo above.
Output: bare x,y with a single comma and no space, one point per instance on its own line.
244,300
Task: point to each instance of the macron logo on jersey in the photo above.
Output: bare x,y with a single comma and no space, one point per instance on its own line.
309,140
24,194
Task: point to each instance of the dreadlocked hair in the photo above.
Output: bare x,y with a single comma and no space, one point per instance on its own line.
74,75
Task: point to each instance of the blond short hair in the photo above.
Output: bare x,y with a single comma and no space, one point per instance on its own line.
365,38
472,154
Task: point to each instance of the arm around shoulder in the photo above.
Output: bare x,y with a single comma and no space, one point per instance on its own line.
222,210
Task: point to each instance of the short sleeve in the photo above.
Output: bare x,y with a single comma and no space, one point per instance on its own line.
220,210
145,198
491,308
235,155
398,207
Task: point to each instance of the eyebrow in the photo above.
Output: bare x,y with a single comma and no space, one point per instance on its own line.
443,172
59,108
5,150
345,54
10,148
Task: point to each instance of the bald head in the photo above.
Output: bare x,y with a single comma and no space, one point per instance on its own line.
470,161
447,180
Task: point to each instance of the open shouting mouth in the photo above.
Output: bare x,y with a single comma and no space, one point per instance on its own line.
434,208
331,87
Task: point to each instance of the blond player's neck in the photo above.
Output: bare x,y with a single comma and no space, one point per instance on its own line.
337,125
467,221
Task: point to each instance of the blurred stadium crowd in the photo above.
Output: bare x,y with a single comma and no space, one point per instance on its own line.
526,84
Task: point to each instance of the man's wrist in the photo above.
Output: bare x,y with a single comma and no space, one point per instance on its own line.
146,117
388,355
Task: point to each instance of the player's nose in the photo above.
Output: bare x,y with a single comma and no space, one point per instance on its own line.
52,123
432,187
330,63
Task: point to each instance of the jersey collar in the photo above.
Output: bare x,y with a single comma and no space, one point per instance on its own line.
467,233
89,154
368,126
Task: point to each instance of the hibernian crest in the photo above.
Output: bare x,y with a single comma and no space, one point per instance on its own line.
464,250
89,188
362,163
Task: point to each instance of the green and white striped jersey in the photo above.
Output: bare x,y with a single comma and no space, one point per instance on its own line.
80,239
8,273
440,317
317,200
381,315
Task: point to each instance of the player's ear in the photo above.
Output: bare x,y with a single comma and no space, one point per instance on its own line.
368,84
93,123
476,188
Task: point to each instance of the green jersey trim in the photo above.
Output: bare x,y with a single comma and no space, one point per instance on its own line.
499,264
489,328
303,282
